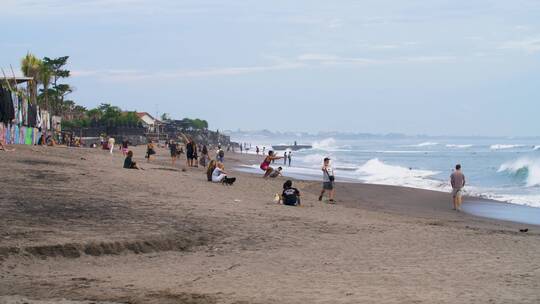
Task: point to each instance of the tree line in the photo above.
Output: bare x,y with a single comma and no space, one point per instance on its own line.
51,93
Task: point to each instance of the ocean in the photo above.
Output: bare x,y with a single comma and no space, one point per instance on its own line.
503,169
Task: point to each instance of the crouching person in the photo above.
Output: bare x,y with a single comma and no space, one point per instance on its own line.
290,195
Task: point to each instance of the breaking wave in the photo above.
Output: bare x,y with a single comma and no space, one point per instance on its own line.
504,147
424,144
378,172
458,146
526,169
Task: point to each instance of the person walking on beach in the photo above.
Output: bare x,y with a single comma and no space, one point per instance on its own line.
125,144
257,149
328,181
111,144
149,150
204,156
174,151
285,158
457,180
220,155
265,165
190,150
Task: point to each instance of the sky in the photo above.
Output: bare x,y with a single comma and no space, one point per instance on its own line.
436,67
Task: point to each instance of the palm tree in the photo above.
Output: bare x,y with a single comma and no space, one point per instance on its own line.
31,66
45,74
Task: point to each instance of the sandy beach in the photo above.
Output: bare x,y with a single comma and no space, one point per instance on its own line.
77,228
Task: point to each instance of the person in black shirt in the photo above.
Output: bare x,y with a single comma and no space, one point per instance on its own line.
174,152
290,195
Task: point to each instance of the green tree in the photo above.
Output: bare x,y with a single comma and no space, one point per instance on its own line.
45,80
59,91
31,67
165,116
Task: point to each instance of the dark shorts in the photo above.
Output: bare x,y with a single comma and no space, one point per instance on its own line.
190,155
328,185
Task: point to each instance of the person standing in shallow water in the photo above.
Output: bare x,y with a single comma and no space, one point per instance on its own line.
457,180
290,158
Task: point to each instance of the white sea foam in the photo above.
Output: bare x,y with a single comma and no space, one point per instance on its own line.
504,146
537,147
458,146
327,144
527,168
377,172
330,145
425,144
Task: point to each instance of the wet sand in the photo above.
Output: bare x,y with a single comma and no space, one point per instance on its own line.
77,228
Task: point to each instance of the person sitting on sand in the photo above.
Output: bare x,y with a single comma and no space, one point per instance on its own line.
265,165
129,163
219,174
210,170
457,180
276,173
290,195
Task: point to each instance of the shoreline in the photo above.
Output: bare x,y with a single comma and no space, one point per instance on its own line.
366,195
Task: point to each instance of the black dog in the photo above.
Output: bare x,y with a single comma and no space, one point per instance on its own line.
228,181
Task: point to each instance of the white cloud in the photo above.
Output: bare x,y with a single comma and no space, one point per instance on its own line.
530,45
325,59
308,60
137,75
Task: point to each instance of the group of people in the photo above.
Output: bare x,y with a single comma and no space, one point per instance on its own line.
192,152
328,174
290,196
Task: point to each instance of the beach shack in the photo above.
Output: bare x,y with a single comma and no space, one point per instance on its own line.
21,119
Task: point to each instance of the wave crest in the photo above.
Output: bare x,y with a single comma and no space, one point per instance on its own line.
425,144
376,171
504,147
458,146
525,168
327,144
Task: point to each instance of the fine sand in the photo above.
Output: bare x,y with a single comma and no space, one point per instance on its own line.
77,228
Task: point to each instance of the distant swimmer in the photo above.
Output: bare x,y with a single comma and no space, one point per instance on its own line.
457,180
